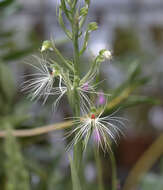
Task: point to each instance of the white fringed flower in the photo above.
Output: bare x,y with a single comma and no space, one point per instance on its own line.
102,129
85,91
59,92
41,83
88,88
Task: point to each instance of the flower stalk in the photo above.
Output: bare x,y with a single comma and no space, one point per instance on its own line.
88,120
114,172
77,153
99,168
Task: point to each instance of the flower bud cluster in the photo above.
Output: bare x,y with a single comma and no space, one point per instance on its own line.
84,11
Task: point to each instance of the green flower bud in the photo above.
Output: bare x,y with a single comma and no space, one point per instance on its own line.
84,11
47,45
106,54
92,26
103,56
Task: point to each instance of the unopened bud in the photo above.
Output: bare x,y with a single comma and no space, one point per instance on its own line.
92,26
106,54
47,45
103,56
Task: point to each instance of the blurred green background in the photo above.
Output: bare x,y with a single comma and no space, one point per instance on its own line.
133,30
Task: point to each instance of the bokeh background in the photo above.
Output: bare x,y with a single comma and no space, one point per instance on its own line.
133,30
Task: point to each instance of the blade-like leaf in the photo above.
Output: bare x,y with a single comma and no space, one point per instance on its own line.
136,100
134,70
7,86
5,3
17,54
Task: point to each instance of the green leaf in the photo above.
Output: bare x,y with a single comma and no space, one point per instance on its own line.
17,177
55,179
129,84
35,167
136,100
5,3
7,86
7,34
141,81
75,179
134,79
15,120
17,54
134,70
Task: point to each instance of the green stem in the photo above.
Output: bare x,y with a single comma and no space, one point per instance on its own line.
77,155
75,30
64,61
114,172
91,70
99,169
